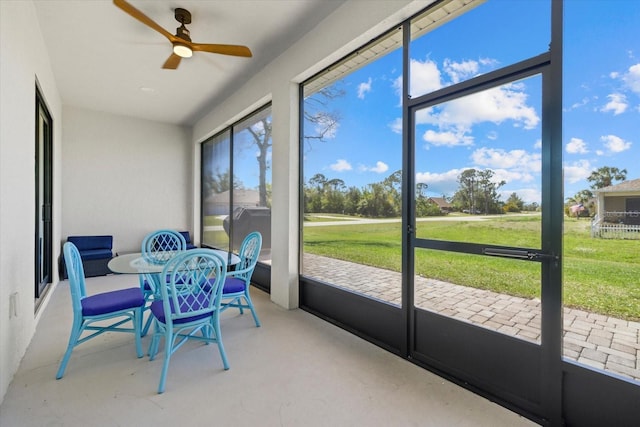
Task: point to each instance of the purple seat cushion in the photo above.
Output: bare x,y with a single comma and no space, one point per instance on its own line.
158,310
233,285
108,302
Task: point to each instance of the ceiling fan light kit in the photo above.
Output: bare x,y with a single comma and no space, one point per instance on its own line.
182,50
183,47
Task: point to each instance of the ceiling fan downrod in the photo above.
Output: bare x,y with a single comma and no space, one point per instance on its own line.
183,16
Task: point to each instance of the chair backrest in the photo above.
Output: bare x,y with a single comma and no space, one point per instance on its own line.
249,253
161,245
193,284
75,273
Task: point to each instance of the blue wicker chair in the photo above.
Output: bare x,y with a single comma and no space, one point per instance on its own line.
122,306
189,305
236,286
158,247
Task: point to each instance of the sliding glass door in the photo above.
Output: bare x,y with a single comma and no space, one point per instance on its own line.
236,184
43,197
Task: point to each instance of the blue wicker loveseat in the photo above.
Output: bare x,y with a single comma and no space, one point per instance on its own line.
95,251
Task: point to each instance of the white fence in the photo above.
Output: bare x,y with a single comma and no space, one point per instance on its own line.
615,229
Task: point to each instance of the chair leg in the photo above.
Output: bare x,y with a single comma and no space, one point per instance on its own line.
223,353
153,345
76,331
137,326
252,308
168,345
147,324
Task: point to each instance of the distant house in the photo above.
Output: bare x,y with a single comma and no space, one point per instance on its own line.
618,206
442,203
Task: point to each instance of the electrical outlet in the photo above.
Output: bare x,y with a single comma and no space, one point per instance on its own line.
13,305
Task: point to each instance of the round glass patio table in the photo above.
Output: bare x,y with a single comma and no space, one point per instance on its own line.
135,263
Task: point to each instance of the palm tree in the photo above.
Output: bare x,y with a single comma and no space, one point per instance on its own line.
604,176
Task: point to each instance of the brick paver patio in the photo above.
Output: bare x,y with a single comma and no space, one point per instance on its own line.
592,339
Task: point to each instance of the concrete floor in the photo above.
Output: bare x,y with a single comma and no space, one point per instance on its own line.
295,370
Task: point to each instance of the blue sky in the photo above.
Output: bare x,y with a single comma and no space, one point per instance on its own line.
498,129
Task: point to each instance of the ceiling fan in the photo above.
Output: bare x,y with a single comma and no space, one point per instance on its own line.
183,47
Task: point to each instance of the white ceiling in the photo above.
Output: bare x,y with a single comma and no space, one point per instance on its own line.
105,60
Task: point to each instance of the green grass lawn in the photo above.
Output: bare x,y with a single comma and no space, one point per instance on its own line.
600,275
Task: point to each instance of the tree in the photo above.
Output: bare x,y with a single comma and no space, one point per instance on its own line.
220,182
318,181
377,201
333,196
351,200
604,176
466,195
324,123
316,112
583,199
478,189
489,190
261,133
514,203
314,192
421,190
393,185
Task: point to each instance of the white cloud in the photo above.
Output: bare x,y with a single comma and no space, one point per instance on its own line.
440,183
455,119
341,165
577,171
495,105
396,125
364,88
425,77
459,71
489,62
380,167
579,104
576,146
520,160
538,144
615,144
632,78
528,195
511,176
447,138
617,104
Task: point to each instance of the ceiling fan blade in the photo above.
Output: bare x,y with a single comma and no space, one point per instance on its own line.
172,62
135,13
223,49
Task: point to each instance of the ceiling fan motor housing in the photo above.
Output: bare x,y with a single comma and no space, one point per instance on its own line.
183,16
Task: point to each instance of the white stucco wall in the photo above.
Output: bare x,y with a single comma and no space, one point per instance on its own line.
349,27
124,177
23,60
103,180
